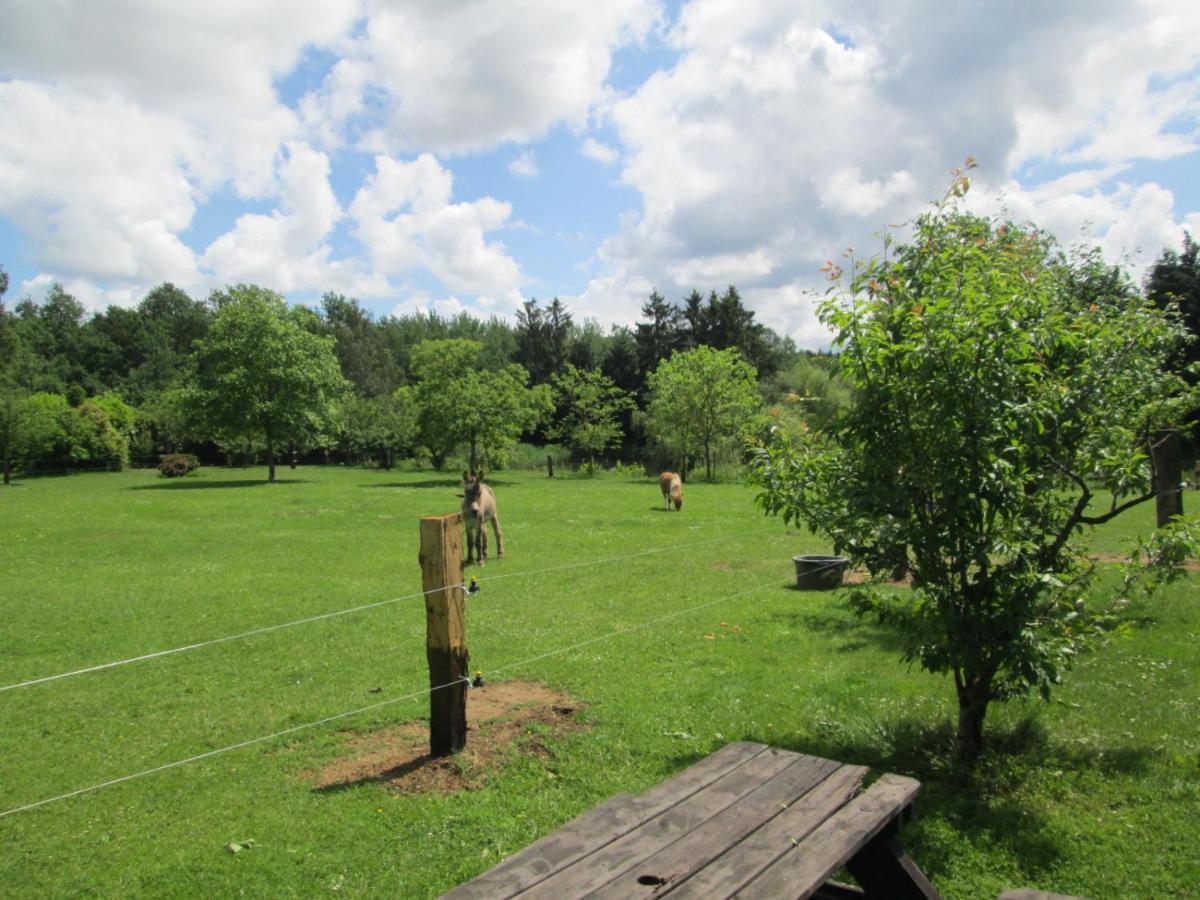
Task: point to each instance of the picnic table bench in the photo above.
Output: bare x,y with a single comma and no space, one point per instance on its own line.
747,821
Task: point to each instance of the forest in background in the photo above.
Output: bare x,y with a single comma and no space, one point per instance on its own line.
111,388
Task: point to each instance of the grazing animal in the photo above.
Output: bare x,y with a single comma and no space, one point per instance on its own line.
479,508
672,489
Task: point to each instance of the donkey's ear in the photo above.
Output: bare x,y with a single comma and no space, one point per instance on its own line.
466,475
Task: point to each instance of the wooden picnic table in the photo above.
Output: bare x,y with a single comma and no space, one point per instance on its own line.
747,821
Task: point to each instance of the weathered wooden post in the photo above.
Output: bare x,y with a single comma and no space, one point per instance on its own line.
1166,453
445,632
550,465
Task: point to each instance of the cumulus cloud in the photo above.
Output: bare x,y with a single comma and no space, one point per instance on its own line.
524,166
601,153
463,76
786,132
404,217
285,249
97,185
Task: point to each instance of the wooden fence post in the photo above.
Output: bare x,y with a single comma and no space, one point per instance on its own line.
1168,474
445,632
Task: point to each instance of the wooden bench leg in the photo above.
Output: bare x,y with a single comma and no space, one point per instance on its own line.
884,870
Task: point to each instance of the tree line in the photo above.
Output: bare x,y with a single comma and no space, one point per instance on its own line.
240,375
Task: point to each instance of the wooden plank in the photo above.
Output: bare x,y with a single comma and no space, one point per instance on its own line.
601,825
695,849
596,869
1033,894
742,862
804,868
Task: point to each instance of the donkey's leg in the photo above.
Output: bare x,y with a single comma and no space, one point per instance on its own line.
482,543
472,542
499,536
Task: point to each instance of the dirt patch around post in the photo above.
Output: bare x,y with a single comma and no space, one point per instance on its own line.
502,718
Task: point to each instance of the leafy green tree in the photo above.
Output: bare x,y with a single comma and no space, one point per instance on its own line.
261,376
809,390
95,438
381,424
461,403
703,402
1174,284
991,405
590,406
14,426
493,409
361,347
50,333
437,365
48,435
169,421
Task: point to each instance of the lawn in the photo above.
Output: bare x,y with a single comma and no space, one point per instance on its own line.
675,632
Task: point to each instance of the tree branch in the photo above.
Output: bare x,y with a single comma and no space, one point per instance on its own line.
1117,510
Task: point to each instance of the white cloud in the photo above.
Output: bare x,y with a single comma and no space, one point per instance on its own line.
601,153
610,299
286,249
456,77
98,186
404,217
211,65
524,166
786,132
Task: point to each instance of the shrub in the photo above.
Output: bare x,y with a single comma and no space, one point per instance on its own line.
630,470
176,465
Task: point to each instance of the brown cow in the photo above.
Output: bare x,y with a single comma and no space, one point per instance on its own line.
672,489
479,508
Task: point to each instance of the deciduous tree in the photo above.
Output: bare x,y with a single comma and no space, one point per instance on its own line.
991,406
703,402
589,410
262,377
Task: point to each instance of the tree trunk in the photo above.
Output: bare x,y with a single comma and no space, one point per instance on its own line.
974,693
270,461
1168,474
474,467
387,459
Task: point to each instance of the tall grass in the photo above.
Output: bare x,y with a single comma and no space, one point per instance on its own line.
680,632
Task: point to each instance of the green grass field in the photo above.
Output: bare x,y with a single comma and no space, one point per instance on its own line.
674,652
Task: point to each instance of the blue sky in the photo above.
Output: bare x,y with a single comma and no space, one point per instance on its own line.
468,156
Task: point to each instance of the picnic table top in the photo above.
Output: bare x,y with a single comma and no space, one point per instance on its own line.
746,821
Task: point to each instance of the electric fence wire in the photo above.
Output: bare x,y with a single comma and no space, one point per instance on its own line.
354,712
344,612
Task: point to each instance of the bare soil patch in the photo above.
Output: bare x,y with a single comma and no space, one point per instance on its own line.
502,718
860,576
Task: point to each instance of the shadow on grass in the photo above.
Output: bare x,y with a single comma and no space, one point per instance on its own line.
454,484
982,803
413,768
191,485
854,633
